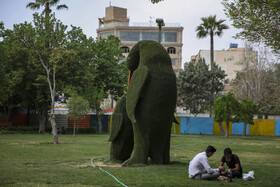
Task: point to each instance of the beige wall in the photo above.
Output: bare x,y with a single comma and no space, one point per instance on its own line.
230,60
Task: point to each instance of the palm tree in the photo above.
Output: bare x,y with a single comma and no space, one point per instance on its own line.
46,4
210,26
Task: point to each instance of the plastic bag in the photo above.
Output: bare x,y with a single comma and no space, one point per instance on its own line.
249,176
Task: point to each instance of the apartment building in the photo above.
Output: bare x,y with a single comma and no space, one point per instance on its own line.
231,60
117,23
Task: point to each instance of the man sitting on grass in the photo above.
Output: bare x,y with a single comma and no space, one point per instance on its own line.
199,167
233,163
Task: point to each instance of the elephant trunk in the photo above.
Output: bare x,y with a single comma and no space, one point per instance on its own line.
129,76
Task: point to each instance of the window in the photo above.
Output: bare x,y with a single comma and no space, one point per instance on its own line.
150,36
173,61
171,50
106,34
170,37
130,36
138,36
125,49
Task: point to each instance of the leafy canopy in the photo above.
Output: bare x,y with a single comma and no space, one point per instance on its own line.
198,86
46,4
258,19
210,26
78,107
247,112
226,108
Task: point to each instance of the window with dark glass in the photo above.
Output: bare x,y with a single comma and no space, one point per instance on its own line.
171,50
125,49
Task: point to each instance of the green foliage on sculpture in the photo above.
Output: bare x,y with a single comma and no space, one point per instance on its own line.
151,100
121,133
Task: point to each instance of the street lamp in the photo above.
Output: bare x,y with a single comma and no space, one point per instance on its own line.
160,23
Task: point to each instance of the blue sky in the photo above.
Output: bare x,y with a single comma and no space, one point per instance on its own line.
85,14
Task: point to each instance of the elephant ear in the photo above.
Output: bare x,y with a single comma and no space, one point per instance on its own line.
135,89
117,119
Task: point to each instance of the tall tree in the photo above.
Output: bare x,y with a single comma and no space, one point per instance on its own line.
14,63
105,74
210,26
3,63
195,86
99,72
58,58
226,108
258,82
258,20
47,60
46,4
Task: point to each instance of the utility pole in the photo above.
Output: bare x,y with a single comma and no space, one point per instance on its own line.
160,23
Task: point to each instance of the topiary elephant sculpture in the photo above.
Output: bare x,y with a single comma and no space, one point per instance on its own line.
121,134
141,121
150,102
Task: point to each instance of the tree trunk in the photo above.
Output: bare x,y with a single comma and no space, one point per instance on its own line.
28,111
221,129
54,129
42,121
42,115
5,109
244,129
227,130
74,130
212,70
212,49
99,124
10,115
53,123
112,101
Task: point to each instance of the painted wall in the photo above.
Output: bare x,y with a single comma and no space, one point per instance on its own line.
264,127
277,127
237,128
187,125
196,125
84,123
104,122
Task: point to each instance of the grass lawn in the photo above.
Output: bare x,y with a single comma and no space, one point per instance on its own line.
32,160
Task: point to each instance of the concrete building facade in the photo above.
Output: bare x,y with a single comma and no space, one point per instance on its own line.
231,60
117,23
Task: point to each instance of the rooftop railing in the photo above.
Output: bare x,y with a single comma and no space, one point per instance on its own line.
153,24
138,24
